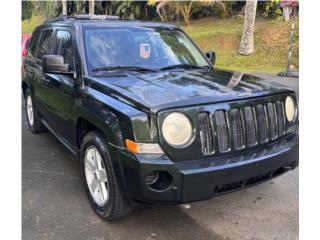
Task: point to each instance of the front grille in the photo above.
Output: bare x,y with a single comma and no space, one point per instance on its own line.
229,187
241,127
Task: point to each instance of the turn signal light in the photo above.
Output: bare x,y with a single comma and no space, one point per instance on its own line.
147,148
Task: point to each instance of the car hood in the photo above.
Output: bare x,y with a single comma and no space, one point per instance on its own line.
173,89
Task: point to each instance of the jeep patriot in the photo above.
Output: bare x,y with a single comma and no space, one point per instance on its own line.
149,116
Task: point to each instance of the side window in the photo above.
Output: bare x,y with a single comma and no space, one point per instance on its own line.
33,44
44,44
63,47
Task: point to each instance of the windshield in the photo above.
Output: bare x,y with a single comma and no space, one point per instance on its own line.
140,47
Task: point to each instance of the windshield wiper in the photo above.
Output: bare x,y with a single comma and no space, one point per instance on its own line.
185,66
124,68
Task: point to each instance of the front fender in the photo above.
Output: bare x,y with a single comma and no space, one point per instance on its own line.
117,121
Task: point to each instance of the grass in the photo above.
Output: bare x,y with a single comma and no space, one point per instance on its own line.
29,24
223,37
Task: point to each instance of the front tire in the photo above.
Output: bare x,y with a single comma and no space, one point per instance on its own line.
101,184
33,119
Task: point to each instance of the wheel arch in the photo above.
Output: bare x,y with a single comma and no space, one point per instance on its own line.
86,124
113,137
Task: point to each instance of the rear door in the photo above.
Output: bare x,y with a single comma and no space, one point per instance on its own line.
32,72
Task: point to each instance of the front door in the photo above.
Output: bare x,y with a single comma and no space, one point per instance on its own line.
61,90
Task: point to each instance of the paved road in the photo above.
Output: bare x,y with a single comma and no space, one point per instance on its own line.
55,206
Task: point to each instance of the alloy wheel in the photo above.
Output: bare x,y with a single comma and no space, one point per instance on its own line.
30,112
96,176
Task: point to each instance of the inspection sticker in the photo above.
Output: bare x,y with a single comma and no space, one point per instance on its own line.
145,50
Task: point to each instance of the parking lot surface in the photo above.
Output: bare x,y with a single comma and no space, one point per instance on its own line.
55,205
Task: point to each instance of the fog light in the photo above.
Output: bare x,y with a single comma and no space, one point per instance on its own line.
152,178
158,180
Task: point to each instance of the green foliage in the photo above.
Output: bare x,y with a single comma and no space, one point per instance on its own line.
225,10
26,10
169,10
270,9
49,9
223,37
130,9
80,7
29,24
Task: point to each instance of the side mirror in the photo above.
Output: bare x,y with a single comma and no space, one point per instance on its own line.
211,56
54,64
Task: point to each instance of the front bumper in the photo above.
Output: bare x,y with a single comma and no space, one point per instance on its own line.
206,178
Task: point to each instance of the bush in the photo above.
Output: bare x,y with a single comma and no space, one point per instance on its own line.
269,9
26,10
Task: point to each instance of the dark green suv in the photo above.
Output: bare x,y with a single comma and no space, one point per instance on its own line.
151,119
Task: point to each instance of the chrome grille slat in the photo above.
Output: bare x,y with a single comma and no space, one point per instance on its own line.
206,134
222,131
272,121
237,128
281,118
262,123
250,126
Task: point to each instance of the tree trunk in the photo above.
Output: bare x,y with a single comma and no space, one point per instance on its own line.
286,13
246,44
91,7
64,7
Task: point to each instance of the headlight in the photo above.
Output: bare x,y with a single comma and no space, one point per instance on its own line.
290,108
177,129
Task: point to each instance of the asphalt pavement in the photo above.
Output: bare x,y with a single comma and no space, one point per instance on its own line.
55,205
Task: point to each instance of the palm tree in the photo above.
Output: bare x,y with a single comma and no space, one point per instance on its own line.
246,44
185,8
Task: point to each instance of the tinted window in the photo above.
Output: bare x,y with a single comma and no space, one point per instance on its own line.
63,47
33,44
44,44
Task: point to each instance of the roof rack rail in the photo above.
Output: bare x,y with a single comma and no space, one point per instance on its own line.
60,18
84,17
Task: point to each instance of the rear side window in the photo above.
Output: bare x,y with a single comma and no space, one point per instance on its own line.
44,44
63,46
33,44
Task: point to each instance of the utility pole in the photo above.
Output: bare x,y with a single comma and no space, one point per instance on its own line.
289,72
291,39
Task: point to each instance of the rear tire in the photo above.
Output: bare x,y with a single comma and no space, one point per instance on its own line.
100,178
33,119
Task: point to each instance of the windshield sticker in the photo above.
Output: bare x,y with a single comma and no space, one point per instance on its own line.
145,50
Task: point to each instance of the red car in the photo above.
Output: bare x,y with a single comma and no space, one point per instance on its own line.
25,38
